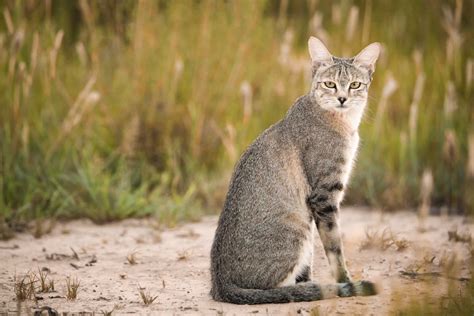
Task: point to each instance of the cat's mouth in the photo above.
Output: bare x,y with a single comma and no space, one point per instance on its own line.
342,107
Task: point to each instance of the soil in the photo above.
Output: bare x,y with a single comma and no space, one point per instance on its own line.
173,265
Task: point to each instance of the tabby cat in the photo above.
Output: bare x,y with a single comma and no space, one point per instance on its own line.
290,182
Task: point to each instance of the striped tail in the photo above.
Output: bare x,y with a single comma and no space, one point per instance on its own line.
301,292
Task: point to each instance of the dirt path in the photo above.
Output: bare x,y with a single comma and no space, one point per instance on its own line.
174,266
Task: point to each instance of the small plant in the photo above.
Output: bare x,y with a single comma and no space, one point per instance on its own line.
24,287
5,231
108,313
132,258
42,227
384,240
183,255
147,298
456,236
74,254
72,287
46,285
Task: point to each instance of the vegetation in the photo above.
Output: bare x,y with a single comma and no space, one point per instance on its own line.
72,287
113,109
146,297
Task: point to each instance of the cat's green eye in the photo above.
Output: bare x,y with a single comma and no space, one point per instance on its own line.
355,85
330,84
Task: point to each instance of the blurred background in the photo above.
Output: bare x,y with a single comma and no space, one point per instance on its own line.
114,109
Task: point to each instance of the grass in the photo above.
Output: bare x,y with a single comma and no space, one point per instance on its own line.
108,313
46,284
183,255
24,287
72,288
146,297
459,299
383,240
457,236
128,109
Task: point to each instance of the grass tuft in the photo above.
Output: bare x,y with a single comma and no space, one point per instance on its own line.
183,255
72,288
24,287
384,240
146,297
46,284
456,236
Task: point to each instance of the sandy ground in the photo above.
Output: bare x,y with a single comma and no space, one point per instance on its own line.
174,266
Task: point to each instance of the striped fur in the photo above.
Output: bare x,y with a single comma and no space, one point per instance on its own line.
290,180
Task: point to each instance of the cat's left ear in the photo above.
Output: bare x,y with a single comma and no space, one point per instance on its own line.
368,56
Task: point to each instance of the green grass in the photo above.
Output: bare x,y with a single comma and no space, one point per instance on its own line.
122,109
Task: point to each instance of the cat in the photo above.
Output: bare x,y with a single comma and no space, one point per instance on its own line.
290,182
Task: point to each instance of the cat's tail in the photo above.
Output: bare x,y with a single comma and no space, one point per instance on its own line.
301,292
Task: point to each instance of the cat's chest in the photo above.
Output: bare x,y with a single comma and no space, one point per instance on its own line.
349,153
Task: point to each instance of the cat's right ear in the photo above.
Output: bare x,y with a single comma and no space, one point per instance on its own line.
320,55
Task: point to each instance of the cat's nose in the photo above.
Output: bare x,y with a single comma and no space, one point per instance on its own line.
342,100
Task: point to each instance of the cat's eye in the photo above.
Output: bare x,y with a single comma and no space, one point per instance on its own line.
355,85
330,84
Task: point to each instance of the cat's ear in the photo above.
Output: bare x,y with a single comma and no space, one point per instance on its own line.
318,52
368,56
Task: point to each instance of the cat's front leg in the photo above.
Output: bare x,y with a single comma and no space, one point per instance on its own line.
324,204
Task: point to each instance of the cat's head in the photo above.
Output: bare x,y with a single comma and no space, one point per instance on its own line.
341,84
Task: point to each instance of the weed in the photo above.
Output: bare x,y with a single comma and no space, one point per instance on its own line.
46,285
5,231
42,227
74,254
146,297
456,236
108,313
72,287
24,287
384,240
183,255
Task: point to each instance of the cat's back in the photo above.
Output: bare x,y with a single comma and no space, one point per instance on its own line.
271,166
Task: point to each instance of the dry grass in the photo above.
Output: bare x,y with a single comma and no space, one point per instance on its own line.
46,284
384,240
456,236
146,297
6,232
74,254
132,258
43,227
24,287
72,288
445,265
183,255
108,313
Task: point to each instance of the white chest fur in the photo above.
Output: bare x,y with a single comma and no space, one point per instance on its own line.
350,153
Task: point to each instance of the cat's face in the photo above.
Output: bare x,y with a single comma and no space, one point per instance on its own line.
341,84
